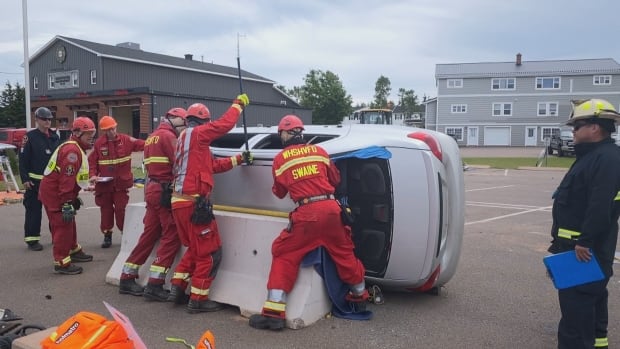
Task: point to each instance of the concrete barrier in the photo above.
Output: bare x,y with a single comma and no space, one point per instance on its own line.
242,278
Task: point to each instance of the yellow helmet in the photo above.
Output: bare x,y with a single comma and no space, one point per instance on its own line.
592,109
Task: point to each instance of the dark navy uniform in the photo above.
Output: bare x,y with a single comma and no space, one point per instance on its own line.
35,153
586,208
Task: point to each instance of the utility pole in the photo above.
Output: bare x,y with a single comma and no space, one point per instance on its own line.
26,61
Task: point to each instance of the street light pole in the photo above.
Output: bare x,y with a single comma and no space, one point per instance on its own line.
26,61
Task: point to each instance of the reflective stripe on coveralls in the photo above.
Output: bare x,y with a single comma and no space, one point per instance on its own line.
114,161
156,160
81,177
182,166
601,343
568,234
35,176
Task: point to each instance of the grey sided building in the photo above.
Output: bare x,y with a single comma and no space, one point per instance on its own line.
519,103
75,77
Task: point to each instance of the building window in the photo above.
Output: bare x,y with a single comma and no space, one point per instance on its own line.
548,131
601,80
51,81
502,109
35,82
503,84
548,109
458,108
455,83
455,132
93,77
75,79
548,83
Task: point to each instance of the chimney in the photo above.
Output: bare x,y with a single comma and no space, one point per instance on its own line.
189,56
518,59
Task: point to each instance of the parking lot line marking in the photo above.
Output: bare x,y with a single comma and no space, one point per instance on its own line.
508,215
490,188
500,205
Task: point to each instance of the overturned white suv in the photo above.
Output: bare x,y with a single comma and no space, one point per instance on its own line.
403,184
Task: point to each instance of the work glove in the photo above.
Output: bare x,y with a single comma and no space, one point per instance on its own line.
248,158
68,212
242,100
77,203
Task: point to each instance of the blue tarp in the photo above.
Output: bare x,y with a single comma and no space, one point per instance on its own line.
336,289
366,153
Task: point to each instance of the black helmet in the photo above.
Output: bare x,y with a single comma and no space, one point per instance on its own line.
43,113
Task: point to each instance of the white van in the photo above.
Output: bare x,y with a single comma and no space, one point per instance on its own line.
404,185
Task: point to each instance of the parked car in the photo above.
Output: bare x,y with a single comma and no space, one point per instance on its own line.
14,136
561,143
403,184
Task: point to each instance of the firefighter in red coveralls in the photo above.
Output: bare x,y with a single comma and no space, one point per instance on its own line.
194,167
65,175
111,157
308,175
159,224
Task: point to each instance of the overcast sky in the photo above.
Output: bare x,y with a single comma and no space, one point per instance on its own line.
357,40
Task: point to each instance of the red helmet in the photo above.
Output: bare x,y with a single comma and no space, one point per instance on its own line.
178,113
199,110
83,124
290,122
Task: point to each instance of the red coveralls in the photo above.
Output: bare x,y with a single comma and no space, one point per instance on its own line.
306,171
158,221
112,158
59,187
194,168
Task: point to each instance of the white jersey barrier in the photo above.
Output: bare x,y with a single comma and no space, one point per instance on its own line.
246,259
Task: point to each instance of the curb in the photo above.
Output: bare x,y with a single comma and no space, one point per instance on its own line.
532,168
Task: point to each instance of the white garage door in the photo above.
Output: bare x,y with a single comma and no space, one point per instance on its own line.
497,136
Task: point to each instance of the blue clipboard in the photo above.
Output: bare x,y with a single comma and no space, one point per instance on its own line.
566,271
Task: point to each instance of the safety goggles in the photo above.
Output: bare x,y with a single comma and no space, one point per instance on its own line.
578,125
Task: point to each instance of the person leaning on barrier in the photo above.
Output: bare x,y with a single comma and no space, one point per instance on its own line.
37,148
65,175
159,224
585,214
193,213
309,176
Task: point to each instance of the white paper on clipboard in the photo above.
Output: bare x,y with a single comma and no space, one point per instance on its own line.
124,321
104,179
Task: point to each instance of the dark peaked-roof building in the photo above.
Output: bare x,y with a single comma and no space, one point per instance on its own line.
75,77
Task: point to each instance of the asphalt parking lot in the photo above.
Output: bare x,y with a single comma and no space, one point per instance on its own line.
500,296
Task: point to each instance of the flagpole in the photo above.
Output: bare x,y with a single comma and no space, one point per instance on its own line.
26,61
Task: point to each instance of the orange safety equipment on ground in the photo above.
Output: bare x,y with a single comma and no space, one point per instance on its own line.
88,330
106,123
199,110
112,158
83,124
593,108
290,122
177,112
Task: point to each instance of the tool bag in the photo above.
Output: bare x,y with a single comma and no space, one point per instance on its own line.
166,195
88,330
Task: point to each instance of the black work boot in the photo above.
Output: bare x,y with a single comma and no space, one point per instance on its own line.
156,293
263,322
177,295
81,257
35,246
68,269
107,239
129,286
206,306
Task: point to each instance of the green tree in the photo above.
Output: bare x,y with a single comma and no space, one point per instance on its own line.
382,92
408,100
294,92
324,94
13,106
